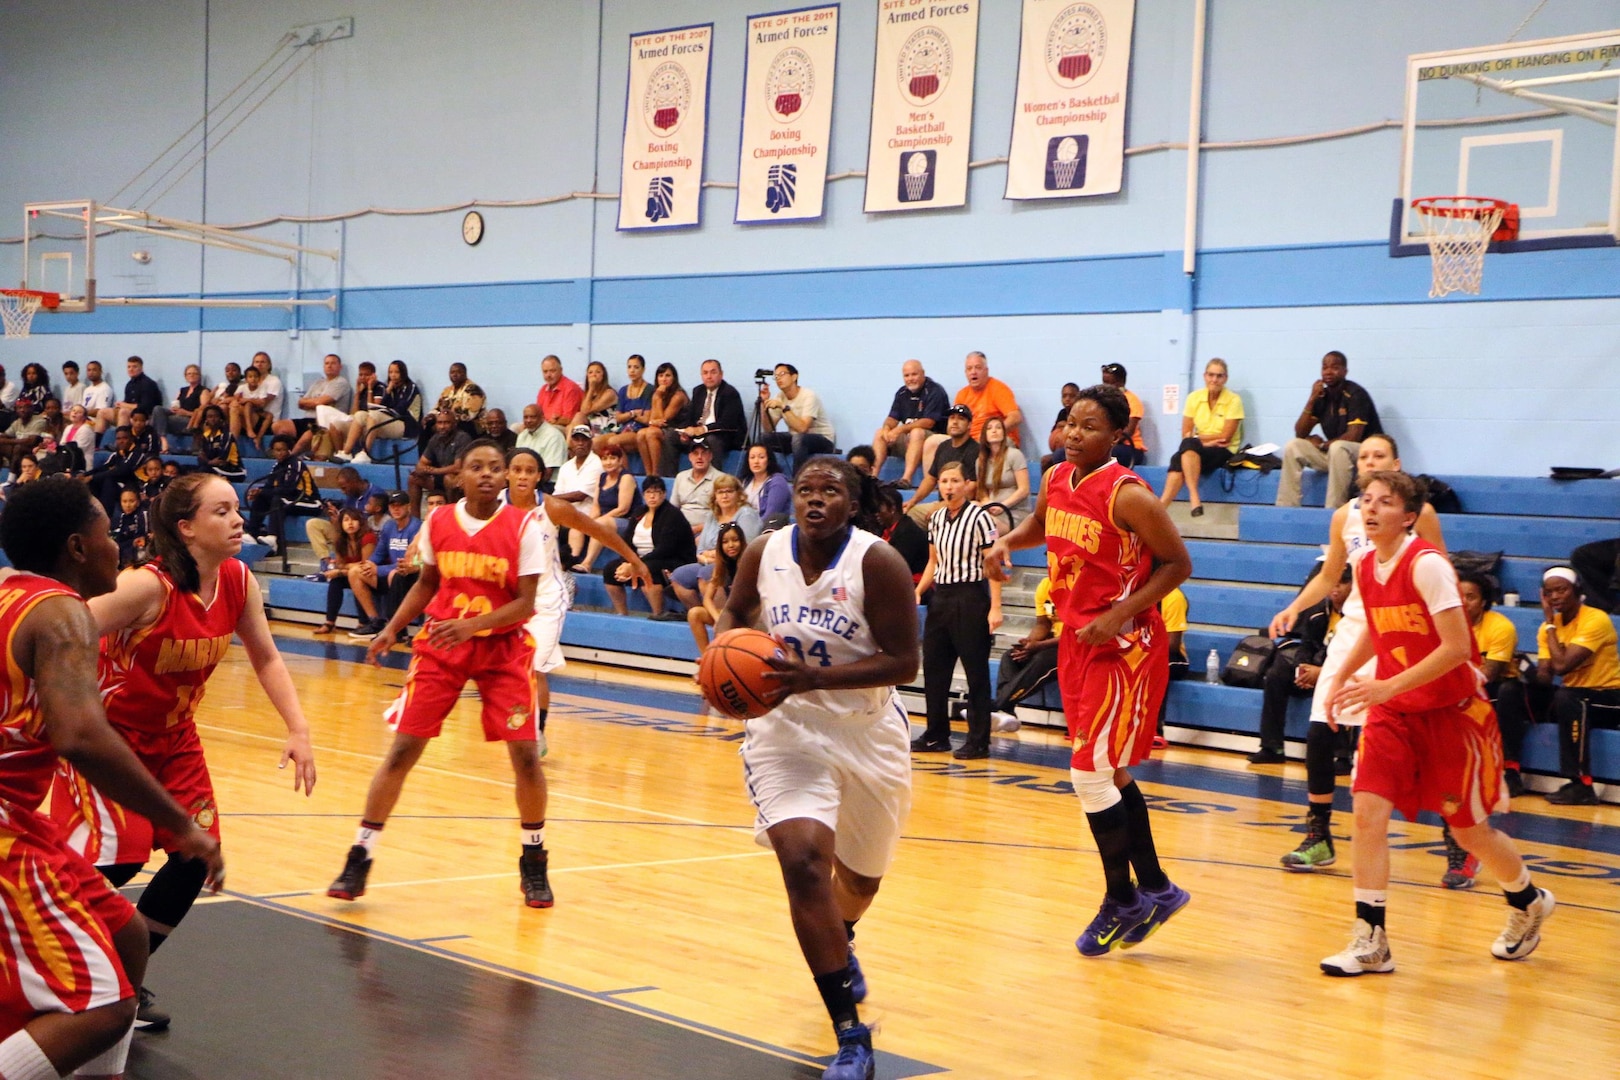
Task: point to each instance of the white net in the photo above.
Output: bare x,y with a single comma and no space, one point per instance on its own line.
1458,230
17,313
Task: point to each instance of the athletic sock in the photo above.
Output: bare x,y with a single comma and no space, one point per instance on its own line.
1111,828
839,999
534,835
22,1059
1321,814
1144,856
1370,905
367,836
1521,894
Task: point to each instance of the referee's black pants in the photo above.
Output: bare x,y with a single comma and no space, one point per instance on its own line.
958,628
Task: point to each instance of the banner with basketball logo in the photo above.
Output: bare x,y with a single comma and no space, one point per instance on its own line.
666,120
787,114
922,104
1068,134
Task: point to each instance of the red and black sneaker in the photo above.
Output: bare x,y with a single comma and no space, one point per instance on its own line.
532,872
351,884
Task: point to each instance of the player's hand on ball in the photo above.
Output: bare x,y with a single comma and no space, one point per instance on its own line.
299,751
196,843
792,676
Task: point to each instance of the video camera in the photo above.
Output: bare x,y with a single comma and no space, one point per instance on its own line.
761,375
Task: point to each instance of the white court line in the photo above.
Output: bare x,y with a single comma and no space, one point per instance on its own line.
558,870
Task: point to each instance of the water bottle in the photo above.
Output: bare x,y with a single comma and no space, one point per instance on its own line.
1212,667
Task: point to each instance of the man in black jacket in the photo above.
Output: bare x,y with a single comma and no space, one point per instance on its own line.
1294,669
715,412
1347,415
289,489
140,394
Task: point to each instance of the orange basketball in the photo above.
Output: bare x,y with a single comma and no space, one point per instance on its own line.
732,673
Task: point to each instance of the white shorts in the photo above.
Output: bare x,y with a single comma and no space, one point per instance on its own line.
853,775
546,629
1344,639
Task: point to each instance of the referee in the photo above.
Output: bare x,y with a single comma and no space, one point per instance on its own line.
962,616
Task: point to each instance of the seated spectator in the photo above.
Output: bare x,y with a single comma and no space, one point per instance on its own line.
98,398
152,481
395,413
1498,642
331,391
1054,441
250,408
76,446
765,488
142,434
559,396
1347,415
1131,450
226,388
1029,664
715,414
1598,566
463,400
27,472
633,411
289,490
598,404
141,393
544,440
984,397
216,449
108,480
960,448
579,481
1211,432
129,529
863,457
661,536
1576,645
24,434
1003,474
717,589
918,411
390,570
8,398
355,545
902,534
809,430
332,424
1173,610
694,486
186,410
376,511
726,505
36,386
355,492
436,469
51,409
72,389
617,501
1295,667
493,426
664,411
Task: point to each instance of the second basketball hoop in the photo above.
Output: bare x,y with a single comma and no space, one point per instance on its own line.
1459,229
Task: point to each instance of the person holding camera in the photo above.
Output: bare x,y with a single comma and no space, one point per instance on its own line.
809,432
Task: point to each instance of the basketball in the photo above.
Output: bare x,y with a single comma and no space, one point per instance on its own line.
732,673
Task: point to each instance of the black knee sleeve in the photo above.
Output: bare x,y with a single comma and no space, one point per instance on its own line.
120,874
1320,742
173,889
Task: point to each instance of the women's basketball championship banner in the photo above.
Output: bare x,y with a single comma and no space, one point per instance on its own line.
922,104
787,114
1068,134
666,120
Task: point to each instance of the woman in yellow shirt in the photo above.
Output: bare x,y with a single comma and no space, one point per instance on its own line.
1211,432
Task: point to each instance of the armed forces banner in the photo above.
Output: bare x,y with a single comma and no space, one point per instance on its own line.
922,104
787,114
1068,135
666,121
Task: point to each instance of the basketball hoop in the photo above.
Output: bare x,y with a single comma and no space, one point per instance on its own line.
1458,229
18,307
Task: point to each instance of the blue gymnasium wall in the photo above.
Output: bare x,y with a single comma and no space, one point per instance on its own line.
432,105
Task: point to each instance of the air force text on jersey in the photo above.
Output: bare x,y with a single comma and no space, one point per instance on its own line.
827,620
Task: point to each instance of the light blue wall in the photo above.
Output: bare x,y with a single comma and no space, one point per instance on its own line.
431,105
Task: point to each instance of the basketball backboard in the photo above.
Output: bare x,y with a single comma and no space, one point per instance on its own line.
1530,122
59,251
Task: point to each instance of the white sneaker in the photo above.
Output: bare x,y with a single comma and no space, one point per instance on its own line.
1005,721
1367,953
362,458
341,456
1523,931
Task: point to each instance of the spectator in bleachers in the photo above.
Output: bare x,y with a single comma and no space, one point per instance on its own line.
390,570
598,403
129,529
918,411
27,472
579,481
141,433
1295,667
1576,644
493,426
152,481
765,487
394,414
436,469
717,588
24,434
715,414
618,500
376,511
289,490
51,409
224,390
72,389
809,430
1054,441
186,410
216,449
669,401
1029,664
1173,610
902,534
1598,566
355,545
1211,432
634,408
332,424
355,491
112,476
331,391
36,385
1131,450
1347,415
98,397
559,396
959,448
664,540
864,458
1498,642
80,434
8,397
545,440
1003,476
250,408
726,505
463,400
694,486
140,393
983,397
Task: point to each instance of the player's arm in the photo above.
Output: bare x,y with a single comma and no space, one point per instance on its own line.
1456,645
1031,532
742,606
136,602
1327,576
452,632
1138,510
565,515
930,571
58,645
893,622
254,630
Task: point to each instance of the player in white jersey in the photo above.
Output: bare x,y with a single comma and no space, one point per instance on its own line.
829,769
1347,542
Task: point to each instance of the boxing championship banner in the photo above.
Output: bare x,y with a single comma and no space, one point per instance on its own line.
922,104
666,120
1068,134
787,114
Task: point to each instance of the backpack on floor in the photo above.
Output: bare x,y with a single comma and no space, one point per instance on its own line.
1248,663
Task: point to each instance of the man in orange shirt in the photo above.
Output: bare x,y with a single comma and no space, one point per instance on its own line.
987,397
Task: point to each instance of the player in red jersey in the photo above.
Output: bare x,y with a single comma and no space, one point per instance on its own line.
1430,741
73,946
164,630
1112,555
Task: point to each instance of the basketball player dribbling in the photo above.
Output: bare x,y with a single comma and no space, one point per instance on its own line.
829,768
75,945
1430,740
1112,555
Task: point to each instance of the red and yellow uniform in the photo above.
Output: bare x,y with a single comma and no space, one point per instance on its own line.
1111,692
56,952
479,565
1435,746
152,680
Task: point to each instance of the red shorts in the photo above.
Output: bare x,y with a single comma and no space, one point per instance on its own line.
1111,698
1445,760
60,917
501,666
108,834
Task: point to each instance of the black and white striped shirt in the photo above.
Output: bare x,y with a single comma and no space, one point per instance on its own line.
960,542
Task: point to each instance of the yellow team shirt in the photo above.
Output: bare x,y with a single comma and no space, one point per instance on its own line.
1173,610
1210,421
1593,630
1497,639
1044,605
1137,413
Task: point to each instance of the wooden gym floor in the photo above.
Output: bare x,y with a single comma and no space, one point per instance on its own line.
670,954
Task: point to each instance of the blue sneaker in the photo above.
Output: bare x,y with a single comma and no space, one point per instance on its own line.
1166,902
857,980
855,1060
1114,920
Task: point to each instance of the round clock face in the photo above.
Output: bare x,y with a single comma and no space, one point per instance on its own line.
472,227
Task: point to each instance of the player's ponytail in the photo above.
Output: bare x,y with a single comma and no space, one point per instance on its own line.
179,502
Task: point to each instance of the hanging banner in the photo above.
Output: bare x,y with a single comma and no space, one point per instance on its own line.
922,104
787,114
1068,134
666,120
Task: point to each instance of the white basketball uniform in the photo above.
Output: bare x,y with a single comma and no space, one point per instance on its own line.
1352,624
551,599
840,757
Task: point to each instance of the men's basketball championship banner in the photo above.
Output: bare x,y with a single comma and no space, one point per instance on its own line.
666,120
1068,135
787,114
922,104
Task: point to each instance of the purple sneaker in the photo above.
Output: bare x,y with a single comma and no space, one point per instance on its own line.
1114,920
1166,902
